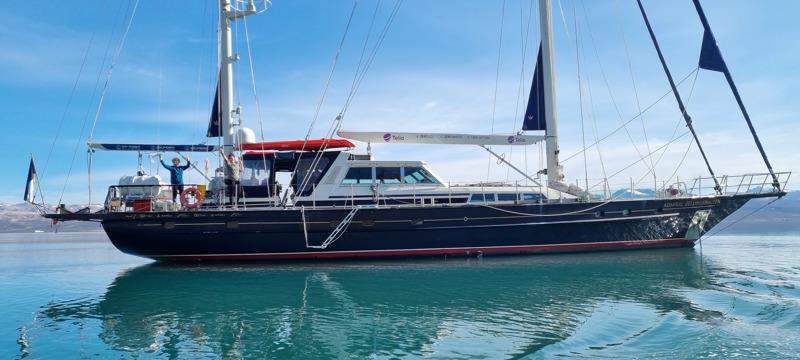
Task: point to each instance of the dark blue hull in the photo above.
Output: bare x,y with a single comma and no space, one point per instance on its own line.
440,230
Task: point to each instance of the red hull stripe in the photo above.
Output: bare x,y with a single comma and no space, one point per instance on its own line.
310,145
611,245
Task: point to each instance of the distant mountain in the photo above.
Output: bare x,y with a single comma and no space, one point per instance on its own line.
780,217
23,218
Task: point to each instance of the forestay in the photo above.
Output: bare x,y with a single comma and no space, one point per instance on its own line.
439,138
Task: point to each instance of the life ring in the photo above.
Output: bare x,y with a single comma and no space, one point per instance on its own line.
194,192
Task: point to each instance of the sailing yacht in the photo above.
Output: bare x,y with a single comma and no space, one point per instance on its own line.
341,203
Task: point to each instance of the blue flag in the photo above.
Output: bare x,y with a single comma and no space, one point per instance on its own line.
534,114
32,184
215,120
710,56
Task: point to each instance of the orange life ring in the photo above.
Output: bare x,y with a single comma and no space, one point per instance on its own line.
194,192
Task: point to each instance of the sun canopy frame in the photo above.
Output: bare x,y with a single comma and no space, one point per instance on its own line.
375,137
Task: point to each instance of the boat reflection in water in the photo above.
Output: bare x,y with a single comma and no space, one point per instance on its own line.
495,307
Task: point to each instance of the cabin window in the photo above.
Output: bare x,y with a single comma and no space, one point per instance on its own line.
418,175
256,172
361,175
531,197
481,198
387,175
506,197
304,169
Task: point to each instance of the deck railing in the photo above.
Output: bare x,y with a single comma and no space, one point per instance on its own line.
150,198
157,198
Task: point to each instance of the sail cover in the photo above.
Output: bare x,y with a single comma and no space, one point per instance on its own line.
32,184
438,138
215,120
534,114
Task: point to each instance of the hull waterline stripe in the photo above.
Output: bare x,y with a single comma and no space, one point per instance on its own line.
433,251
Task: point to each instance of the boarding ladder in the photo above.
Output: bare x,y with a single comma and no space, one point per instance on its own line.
335,234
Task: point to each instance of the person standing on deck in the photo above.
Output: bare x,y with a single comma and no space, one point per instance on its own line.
232,176
176,175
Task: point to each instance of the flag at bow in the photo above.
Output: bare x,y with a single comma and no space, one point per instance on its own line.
32,184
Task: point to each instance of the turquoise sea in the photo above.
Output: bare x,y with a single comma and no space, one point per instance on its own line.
73,296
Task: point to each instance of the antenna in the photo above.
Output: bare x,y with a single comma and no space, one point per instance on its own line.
250,6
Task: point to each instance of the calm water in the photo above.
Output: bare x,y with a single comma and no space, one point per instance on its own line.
75,296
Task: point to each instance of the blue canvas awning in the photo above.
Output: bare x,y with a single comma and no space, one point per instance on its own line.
153,147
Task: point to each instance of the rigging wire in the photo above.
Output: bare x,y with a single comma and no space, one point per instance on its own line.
198,124
337,123
69,103
675,131
739,219
331,73
594,129
496,82
607,85
373,54
105,91
524,33
564,18
255,96
106,55
685,153
114,59
580,94
642,158
636,92
645,110
364,46
325,87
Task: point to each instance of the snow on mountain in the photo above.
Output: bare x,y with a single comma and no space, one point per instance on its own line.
23,218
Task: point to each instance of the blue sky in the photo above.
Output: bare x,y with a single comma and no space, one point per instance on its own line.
436,71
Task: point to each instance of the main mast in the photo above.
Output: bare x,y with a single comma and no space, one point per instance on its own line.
227,15
554,173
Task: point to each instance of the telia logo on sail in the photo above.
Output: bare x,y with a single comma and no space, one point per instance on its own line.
387,137
511,139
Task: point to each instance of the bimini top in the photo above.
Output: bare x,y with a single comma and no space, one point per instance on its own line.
299,145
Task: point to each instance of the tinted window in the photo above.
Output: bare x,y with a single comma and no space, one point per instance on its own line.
387,175
256,172
419,175
304,170
506,197
479,198
531,197
358,176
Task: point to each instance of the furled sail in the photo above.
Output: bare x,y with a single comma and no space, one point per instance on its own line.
215,120
534,114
